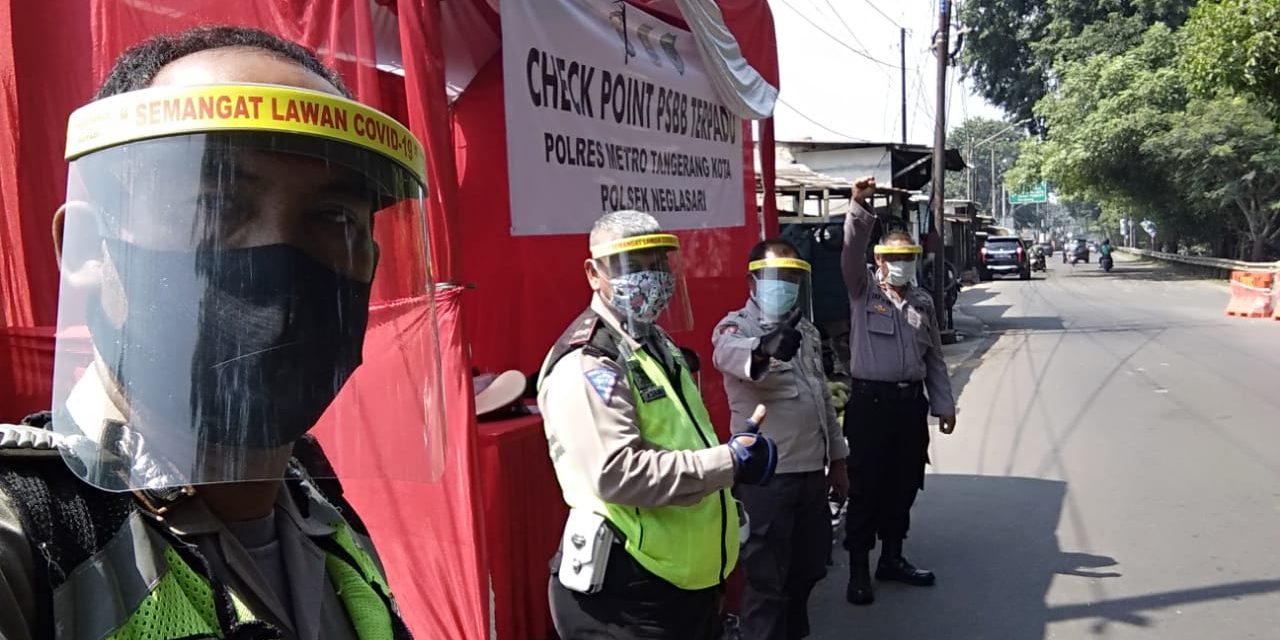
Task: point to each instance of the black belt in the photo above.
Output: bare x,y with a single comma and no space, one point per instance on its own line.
913,390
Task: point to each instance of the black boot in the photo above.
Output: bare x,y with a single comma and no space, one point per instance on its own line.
894,567
859,591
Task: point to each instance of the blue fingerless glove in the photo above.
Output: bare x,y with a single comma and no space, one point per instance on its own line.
755,456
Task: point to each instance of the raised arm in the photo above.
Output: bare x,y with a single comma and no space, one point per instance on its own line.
857,233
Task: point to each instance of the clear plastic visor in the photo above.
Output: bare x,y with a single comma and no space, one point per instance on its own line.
215,302
780,286
646,281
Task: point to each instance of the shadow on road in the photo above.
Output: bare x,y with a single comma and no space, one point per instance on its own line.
993,542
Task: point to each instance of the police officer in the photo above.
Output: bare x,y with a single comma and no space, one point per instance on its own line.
653,530
770,352
896,355
223,267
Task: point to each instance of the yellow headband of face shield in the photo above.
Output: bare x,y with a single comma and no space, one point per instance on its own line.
898,249
636,243
779,263
169,111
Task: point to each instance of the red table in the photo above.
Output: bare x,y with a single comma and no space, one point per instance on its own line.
524,515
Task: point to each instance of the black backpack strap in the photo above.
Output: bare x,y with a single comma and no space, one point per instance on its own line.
588,332
319,472
64,519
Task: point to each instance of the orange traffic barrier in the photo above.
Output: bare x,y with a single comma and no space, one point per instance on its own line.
1251,294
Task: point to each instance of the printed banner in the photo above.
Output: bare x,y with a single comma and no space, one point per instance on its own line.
609,108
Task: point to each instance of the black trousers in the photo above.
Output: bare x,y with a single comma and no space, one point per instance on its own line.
888,448
634,604
786,554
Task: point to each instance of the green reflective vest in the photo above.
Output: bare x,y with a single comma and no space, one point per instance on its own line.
693,547
106,569
182,603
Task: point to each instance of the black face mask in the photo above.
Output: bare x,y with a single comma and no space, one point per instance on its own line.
246,346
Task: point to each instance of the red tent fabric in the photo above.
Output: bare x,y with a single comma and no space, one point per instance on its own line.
429,534
53,56
528,288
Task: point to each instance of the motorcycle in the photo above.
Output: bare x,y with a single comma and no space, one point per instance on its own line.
1038,261
1106,263
950,287
1081,254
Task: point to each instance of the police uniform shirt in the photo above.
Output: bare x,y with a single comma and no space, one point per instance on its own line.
890,339
802,420
589,413
315,612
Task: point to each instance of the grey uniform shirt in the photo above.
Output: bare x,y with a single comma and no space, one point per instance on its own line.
890,340
315,611
802,420
589,414
284,581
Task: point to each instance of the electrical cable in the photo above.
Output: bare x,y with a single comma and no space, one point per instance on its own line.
815,122
839,41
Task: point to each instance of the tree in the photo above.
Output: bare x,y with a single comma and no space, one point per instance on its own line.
1001,146
1102,112
998,55
1235,44
1224,153
1015,48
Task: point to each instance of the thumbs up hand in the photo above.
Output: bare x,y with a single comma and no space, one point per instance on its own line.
783,341
755,456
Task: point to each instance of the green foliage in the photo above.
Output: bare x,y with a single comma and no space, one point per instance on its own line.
1235,44
1014,48
1141,115
1105,109
1224,155
996,141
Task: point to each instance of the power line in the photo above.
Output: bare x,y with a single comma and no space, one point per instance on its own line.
886,16
845,25
852,34
815,122
835,38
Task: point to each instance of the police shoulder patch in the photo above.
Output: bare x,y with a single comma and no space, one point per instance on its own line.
604,381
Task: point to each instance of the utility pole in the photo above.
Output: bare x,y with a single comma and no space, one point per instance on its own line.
968,172
902,51
942,50
993,182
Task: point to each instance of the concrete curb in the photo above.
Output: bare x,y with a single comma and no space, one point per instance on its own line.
972,333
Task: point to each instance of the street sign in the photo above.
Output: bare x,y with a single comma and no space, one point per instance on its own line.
1038,194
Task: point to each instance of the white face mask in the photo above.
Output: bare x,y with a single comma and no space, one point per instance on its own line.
899,273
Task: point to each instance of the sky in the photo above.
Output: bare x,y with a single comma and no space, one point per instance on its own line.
832,90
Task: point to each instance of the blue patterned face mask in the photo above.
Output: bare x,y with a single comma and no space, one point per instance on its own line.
776,298
642,296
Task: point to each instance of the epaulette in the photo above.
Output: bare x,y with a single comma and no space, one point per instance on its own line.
590,333
33,437
921,297
25,440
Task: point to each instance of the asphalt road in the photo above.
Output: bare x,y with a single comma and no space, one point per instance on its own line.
1115,472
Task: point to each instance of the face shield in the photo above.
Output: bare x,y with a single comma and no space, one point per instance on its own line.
898,262
646,281
780,285
219,252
